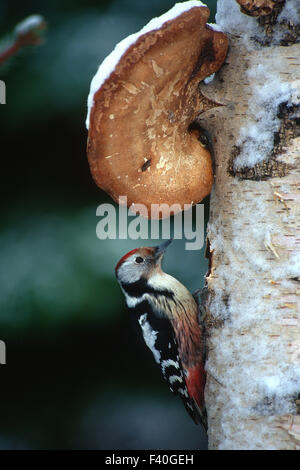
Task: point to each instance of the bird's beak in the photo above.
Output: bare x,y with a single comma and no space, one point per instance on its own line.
160,249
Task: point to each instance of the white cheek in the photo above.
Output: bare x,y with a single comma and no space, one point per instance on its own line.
129,273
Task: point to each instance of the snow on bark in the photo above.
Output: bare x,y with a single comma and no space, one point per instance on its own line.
253,320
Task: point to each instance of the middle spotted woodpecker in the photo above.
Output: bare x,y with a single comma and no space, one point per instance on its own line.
168,316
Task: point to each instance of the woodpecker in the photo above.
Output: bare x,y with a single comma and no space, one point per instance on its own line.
167,314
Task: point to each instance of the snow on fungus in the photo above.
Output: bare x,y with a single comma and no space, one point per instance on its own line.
142,102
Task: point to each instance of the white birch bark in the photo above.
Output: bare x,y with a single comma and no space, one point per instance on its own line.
253,309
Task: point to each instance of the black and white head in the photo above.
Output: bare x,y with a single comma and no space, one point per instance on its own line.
141,262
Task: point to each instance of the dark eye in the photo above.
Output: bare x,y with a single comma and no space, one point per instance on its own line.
139,259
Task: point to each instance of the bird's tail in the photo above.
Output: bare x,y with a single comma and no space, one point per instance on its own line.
198,415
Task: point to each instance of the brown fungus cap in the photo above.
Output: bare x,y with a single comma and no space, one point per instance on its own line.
140,144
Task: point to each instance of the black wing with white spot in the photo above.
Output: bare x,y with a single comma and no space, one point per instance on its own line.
159,336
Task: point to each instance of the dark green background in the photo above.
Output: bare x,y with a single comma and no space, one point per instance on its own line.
77,374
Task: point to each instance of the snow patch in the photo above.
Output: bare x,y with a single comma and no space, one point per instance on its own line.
215,27
231,20
209,79
272,382
290,12
256,139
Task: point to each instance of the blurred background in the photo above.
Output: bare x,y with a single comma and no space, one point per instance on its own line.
77,375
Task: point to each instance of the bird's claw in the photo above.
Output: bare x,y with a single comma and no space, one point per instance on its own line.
200,296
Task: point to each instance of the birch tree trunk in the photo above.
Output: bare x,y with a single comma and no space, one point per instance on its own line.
252,321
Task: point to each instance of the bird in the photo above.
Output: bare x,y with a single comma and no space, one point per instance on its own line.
167,314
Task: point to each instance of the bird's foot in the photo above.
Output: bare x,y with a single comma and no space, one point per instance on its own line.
200,296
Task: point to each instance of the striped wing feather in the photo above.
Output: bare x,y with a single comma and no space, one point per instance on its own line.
158,333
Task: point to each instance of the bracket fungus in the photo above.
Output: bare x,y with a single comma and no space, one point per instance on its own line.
142,104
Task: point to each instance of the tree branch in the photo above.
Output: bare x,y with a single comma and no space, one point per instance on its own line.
27,33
